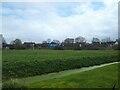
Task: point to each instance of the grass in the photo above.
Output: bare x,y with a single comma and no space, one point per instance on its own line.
31,55
25,63
104,77
13,84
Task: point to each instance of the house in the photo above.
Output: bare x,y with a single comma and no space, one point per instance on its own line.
29,45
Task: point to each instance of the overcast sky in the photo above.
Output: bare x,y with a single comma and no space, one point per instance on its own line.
59,20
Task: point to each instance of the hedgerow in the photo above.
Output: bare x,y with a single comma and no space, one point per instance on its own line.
38,67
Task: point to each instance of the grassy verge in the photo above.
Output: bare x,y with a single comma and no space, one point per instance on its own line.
104,77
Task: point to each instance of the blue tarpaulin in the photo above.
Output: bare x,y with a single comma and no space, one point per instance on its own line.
52,45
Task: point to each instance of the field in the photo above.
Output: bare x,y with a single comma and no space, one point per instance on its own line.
27,63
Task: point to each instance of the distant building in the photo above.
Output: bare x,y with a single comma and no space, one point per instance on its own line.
29,44
117,41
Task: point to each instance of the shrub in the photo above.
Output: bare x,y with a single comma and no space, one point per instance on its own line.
37,67
58,48
77,48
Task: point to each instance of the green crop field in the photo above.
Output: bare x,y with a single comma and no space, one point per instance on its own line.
27,63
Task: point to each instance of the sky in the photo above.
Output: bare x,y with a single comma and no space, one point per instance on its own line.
39,21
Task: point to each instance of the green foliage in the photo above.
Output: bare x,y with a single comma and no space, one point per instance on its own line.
30,63
104,77
77,48
58,48
13,84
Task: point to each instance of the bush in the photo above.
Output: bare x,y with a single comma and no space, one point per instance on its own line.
58,48
19,47
77,48
37,67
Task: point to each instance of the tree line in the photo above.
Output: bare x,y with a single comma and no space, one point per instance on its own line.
79,43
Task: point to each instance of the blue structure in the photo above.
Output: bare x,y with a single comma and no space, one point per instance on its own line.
52,45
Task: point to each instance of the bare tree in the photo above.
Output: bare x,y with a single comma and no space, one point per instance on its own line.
16,42
80,40
56,41
69,40
44,42
48,40
95,40
105,40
